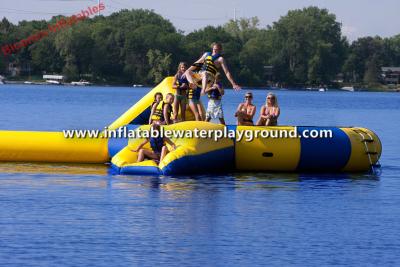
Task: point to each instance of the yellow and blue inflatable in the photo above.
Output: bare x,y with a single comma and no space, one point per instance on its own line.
351,149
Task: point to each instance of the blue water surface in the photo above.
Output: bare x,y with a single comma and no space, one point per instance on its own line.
82,215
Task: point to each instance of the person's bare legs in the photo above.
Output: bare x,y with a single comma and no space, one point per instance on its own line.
193,81
183,110
140,157
260,122
201,112
175,108
164,152
203,82
189,76
146,153
193,107
241,121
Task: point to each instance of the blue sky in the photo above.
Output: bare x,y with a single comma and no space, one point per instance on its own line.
359,18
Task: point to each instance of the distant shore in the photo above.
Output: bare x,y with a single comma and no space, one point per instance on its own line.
380,88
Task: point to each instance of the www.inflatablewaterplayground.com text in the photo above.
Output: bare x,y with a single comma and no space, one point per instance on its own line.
247,135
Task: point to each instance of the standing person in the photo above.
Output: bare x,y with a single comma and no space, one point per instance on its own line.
245,111
214,107
158,148
195,104
180,84
269,112
161,113
208,65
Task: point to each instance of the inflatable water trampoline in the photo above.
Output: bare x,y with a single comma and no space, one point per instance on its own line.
348,149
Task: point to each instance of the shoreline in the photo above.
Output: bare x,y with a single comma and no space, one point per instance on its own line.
393,90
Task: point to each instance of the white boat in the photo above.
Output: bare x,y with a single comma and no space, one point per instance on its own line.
53,82
1,79
138,85
348,88
28,82
322,89
81,83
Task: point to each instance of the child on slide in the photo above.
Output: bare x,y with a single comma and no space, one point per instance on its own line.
158,97
161,112
158,148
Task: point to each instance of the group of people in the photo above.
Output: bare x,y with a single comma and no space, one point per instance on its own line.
268,115
201,78
190,83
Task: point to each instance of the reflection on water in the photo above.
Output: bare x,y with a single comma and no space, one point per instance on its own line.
70,174
53,168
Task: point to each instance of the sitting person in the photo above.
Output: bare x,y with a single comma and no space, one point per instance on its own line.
158,148
214,107
269,112
161,112
180,83
245,111
158,97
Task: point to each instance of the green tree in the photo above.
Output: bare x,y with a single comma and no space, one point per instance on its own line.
45,57
306,44
159,63
363,52
243,29
371,72
76,46
254,57
392,51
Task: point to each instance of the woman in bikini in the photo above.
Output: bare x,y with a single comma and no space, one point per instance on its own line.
269,112
245,111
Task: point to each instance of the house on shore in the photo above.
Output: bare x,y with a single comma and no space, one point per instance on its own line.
390,75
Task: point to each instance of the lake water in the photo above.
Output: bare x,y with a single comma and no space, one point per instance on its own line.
81,215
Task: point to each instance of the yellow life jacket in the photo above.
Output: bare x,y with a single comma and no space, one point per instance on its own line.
194,93
158,114
209,64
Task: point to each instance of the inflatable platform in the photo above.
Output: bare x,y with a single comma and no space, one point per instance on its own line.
349,149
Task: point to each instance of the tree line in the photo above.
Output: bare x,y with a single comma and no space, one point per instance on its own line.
304,47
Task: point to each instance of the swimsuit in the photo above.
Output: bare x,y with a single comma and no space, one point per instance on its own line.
194,95
181,94
156,144
274,119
